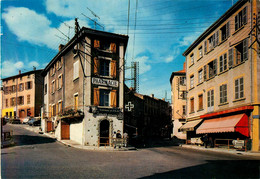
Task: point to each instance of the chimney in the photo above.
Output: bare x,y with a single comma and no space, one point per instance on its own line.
152,95
19,72
61,47
184,66
34,68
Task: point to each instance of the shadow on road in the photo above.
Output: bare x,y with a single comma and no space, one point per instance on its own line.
216,169
21,140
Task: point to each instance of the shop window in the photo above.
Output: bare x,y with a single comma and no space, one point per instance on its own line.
223,93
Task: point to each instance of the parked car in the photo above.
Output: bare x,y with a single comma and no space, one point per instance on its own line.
34,121
15,121
26,120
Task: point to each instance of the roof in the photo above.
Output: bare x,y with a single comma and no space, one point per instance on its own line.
215,25
84,32
22,74
181,73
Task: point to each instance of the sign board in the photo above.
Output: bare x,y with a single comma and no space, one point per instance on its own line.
97,110
105,82
239,144
129,106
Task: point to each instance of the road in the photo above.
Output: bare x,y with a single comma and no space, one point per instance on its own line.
36,156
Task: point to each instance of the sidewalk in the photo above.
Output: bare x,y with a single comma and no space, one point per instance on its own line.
221,150
71,143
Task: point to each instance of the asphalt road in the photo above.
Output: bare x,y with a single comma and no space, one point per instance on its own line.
36,156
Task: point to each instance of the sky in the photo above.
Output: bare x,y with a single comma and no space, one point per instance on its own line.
159,32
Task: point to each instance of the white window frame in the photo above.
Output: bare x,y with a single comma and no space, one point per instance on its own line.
76,70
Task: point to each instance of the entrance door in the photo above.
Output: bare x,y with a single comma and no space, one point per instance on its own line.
65,131
49,126
104,133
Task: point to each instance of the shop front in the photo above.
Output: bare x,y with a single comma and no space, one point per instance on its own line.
190,129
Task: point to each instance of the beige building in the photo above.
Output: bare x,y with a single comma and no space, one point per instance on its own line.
22,95
84,88
178,95
223,77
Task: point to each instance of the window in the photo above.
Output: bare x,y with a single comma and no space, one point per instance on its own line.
28,99
191,81
183,110
191,59
12,102
104,98
45,89
200,52
213,41
230,58
182,80
200,101
60,107
6,102
241,52
183,95
212,67
104,67
53,86
223,63
200,76
13,88
60,82
28,85
76,70
210,98
192,105
76,101
54,110
241,18
239,88
20,100
105,46
223,93
21,87
225,32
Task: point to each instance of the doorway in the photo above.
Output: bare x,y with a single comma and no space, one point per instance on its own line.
104,133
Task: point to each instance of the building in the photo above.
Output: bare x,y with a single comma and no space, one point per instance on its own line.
84,88
146,116
178,95
22,95
223,77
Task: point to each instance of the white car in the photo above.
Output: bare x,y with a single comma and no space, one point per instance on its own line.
25,120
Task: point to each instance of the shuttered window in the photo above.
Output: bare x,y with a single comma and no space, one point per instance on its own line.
230,57
96,66
113,47
205,72
192,105
76,101
200,102
113,98
76,70
223,63
96,97
223,93
239,88
113,68
104,67
241,18
104,97
205,46
96,43
210,98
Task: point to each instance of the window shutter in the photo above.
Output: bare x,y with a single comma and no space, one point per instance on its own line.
113,98
205,46
236,22
205,72
215,66
230,58
214,39
96,65
61,81
96,44
113,47
244,16
220,63
227,29
113,68
245,49
57,108
217,38
76,70
221,93
26,85
50,111
96,97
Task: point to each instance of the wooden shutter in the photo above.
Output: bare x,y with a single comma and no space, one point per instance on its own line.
230,57
217,38
244,16
205,46
57,109
49,111
245,49
113,68
205,72
96,66
113,98
76,102
200,102
215,66
96,97
96,44
61,81
113,47
227,29
236,22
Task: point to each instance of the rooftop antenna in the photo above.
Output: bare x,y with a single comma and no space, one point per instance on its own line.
63,34
61,38
95,22
67,26
94,14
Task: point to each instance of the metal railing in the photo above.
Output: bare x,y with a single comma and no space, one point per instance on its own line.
230,145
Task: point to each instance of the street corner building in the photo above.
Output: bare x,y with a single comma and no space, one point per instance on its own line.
22,95
84,88
223,78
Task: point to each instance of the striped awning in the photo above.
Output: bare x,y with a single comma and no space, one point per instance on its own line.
190,126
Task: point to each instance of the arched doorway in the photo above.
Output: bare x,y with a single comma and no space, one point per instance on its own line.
104,133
